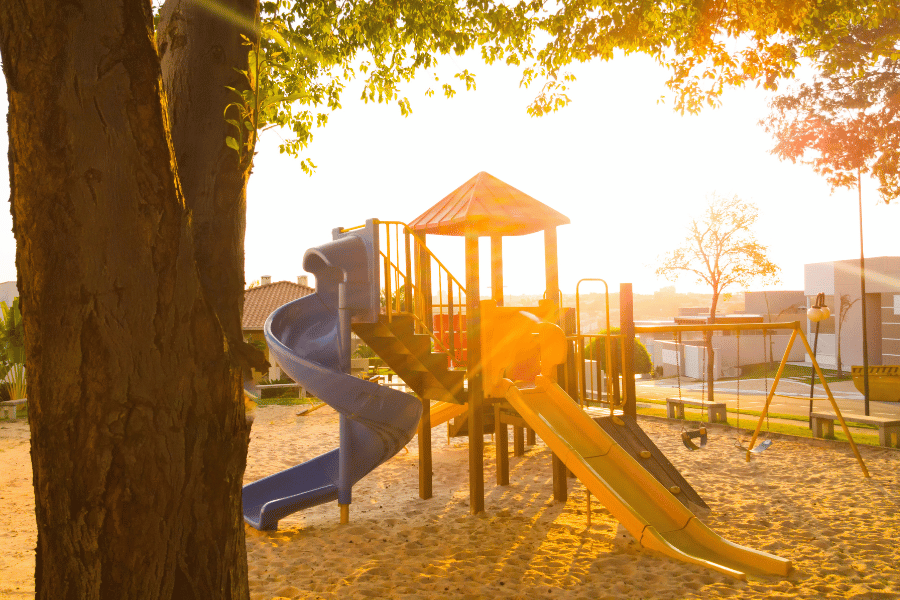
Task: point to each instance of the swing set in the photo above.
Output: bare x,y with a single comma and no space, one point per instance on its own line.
688,436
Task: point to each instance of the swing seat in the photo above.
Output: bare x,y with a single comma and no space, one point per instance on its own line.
762,446
688,438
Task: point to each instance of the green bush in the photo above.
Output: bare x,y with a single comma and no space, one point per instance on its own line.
642,363
363,351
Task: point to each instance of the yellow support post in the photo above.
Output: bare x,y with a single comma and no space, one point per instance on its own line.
834,405
588,507
765,409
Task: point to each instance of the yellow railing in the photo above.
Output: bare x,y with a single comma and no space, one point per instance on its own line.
409,271
580,375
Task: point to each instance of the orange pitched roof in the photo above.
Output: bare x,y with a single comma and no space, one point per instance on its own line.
262,300
487,206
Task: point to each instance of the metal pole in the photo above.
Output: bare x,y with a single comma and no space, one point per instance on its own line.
626,324
862,285
812,377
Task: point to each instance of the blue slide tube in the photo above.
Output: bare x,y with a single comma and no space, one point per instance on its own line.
310,340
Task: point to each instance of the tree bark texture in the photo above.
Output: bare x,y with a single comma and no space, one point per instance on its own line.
200,51
138,431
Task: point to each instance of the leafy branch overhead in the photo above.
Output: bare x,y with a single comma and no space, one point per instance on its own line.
309,52
705,46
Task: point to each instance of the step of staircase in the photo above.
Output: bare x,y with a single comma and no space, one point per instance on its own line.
409,355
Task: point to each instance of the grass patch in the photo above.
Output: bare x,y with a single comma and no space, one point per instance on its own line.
763,370
286,401
785,428
756,413
745,413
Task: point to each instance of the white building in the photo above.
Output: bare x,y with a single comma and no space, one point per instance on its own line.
839,281
8,291
732,351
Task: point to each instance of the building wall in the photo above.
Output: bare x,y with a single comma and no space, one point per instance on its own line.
755,348
890,329
778,305
8,292
882,285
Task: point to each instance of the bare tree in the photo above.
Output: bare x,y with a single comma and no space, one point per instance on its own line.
844,310
720,251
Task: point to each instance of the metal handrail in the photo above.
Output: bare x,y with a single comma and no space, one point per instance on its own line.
415,301
426,248
715,327
581,343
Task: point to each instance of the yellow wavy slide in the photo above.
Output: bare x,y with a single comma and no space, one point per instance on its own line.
645,507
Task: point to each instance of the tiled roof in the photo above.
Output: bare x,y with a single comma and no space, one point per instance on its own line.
260,301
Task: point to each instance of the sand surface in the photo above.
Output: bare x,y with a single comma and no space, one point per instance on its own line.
803,500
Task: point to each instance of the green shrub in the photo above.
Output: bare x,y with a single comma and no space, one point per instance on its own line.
642,362
363,351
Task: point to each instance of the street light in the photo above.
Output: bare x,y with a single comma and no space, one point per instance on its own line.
816,313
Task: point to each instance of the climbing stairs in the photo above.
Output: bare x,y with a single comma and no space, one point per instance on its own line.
410,356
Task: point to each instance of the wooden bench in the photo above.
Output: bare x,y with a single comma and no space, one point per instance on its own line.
888,428
716,410
8,408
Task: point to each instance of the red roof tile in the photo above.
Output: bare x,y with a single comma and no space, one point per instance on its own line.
260,301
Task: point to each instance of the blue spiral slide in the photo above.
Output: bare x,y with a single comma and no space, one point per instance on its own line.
310,339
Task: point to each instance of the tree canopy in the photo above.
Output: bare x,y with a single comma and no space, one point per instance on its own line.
846,122
309,53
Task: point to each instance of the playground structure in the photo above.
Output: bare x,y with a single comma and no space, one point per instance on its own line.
516,364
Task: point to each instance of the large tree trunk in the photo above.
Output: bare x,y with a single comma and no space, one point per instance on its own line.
138,431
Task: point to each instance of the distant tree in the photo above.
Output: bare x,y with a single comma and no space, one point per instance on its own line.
12,335
363,351
843,310
12,349
846,122
720,251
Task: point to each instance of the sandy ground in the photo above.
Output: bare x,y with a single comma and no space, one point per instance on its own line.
803,500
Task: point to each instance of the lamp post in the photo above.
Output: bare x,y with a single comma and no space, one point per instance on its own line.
816,313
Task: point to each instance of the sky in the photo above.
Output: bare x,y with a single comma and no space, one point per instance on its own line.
628,171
